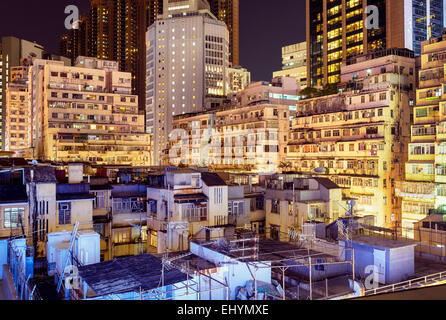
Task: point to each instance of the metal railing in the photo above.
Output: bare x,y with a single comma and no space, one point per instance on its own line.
408,284
195,214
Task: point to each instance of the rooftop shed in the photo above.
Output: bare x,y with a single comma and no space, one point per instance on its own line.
393,260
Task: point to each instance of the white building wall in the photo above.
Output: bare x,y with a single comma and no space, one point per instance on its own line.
231,271
176,67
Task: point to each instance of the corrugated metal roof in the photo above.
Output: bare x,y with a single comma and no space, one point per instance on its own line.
327,183
212,179
129,274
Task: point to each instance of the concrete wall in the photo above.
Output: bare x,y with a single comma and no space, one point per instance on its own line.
401,265
233,272
329,271
87,248
216,209
47,192
3,255
82,211
75,173
399,262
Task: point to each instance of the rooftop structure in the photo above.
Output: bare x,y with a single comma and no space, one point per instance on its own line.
128,274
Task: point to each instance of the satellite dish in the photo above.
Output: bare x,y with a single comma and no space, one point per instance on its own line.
320,170
352,203
34,162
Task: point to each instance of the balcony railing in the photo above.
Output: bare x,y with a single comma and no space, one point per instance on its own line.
195,214
127,207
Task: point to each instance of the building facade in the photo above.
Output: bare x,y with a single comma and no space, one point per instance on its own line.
14,53
86,113
250,138
294,63
238,79
115,30
75,43
424,188
292,201
337,30
358,137
228,12
18,115
180,204
187,57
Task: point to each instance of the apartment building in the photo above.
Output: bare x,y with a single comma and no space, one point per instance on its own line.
75,43
238,79
250,138
291,201
18,115
15,52
280,90
294,63
423,191
86,113
359,137
34,202
182,202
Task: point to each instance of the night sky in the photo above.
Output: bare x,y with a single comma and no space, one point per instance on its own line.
265,26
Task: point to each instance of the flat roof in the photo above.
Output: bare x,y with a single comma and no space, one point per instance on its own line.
128,274
381,242
191,261
268,250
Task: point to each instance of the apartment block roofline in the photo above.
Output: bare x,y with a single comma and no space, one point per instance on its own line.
370,55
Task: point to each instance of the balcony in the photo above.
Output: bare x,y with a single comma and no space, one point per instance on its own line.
124,206
194,214
420,171
415,189
154,223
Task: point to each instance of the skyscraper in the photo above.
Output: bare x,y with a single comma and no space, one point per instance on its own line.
187,57
337,30
427,22
228,12
75,42
115,30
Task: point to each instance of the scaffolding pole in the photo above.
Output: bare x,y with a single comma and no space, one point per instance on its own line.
311,289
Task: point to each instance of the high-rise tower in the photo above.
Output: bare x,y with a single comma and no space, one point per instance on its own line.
338,29
187,58
228,12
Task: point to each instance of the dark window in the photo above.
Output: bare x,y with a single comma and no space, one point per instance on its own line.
65,213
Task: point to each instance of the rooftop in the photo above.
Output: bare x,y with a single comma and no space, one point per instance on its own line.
381,242
11,162
42,174
129,274
268,250
327,183
212,179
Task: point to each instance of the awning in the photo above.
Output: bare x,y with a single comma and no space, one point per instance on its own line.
191,197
